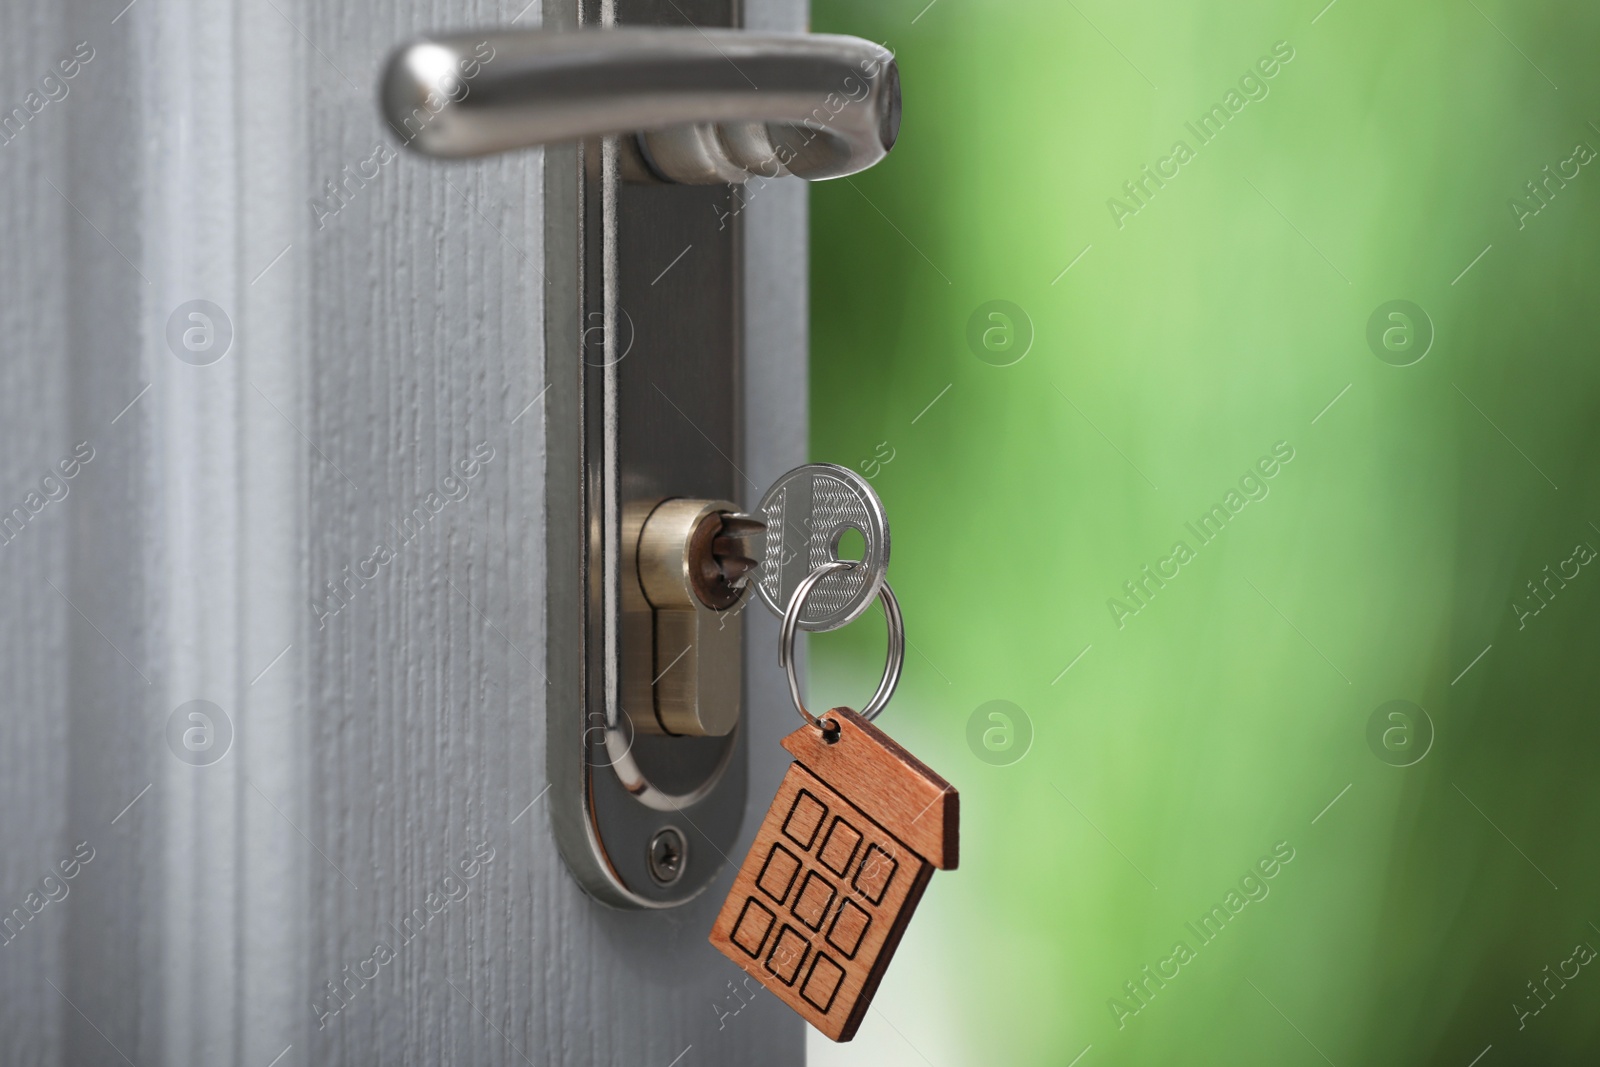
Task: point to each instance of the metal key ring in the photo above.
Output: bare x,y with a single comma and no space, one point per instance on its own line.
894,660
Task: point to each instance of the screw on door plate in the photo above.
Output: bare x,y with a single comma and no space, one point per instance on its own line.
668,851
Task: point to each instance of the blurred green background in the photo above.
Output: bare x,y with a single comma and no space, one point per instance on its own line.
1153,354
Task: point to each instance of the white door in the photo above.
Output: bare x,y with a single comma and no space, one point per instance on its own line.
273,468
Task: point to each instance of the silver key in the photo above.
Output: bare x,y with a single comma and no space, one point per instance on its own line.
807,512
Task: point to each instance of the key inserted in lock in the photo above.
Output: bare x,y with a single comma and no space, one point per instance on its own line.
647,111
692,559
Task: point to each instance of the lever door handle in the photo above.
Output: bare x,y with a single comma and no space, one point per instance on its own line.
702,106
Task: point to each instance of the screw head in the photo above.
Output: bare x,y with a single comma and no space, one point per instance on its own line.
668,852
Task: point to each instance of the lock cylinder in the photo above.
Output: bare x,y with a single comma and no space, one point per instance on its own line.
693,560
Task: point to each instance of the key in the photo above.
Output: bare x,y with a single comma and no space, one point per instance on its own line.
807,511
843,855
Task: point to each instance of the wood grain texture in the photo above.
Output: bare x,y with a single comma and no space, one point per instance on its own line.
229,908
895,789
819,930
38,628
827,889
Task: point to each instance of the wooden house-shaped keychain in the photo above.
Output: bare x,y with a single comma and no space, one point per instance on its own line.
837,868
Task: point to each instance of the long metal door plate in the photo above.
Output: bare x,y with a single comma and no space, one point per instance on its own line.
642,365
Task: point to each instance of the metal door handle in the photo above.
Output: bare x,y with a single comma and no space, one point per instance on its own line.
703,106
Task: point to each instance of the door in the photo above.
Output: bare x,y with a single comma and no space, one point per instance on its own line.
275,470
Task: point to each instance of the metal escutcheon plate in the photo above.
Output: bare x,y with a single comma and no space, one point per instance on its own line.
807,512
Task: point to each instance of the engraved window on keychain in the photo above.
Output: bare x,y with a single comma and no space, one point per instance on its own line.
844,852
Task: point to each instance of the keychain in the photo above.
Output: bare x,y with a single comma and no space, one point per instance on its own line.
845,851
